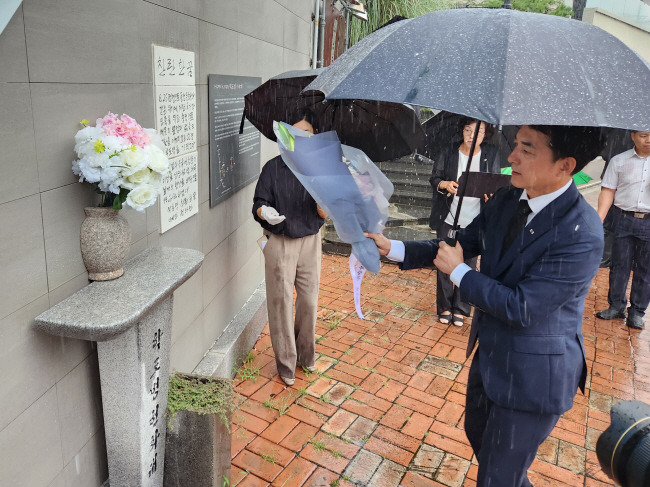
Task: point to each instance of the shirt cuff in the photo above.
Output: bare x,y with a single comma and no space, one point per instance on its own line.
397,251
458,273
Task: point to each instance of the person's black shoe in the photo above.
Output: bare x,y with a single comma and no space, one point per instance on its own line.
611,314
634,321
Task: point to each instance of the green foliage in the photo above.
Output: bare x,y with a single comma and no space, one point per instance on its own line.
381,11
552,7
269,458
203,395
247,370
318,445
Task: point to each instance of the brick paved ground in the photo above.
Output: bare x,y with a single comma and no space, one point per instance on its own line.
386,406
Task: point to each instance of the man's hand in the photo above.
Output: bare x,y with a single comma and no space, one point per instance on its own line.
271,215
382,243
448,257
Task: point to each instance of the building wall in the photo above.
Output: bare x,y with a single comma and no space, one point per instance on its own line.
64,61
634,36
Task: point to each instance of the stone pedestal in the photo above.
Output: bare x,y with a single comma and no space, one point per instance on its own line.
130,319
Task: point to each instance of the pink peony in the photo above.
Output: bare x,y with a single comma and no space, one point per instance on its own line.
125,127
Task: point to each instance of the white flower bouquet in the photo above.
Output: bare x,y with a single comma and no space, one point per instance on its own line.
125,162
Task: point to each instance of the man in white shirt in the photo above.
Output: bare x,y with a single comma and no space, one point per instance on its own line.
529,297
626,185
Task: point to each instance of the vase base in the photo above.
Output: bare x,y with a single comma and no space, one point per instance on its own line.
105,276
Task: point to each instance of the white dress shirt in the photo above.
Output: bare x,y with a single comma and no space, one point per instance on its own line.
629,174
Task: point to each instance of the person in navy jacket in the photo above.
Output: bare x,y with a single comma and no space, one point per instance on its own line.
529,297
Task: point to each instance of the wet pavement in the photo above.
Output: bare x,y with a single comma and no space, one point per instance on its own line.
386,405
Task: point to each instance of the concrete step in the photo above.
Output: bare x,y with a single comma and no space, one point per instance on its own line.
415,185
411,198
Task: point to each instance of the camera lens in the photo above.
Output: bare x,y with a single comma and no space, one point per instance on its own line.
623,449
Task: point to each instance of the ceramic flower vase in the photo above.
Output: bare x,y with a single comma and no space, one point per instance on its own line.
105,243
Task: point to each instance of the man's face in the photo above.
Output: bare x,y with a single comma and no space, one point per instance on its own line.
533,167
641,143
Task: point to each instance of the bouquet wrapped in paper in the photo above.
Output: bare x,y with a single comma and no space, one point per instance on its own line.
344,182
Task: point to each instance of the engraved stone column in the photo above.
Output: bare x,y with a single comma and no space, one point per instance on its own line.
130,318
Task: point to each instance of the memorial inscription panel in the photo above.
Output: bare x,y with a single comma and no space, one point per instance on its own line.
234,157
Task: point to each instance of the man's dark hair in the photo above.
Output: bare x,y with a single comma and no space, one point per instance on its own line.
307,115
584,144
464,121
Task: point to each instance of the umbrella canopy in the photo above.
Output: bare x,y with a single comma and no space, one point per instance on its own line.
382,130
502,66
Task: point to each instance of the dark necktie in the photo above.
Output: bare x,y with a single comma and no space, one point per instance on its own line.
516,225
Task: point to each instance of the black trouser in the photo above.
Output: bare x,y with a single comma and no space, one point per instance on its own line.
631,253
504,440
448,296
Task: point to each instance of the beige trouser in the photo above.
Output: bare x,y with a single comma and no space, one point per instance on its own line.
292,262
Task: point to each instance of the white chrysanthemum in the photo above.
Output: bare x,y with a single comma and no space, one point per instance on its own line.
90,173
108,178
115,144
133,161
88,133
84,147
116,186
77,170
141,197
157,159
97,159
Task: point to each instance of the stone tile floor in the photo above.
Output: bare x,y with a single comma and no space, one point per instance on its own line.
385,407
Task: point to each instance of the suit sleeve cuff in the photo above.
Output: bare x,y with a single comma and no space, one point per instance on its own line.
397,251
458,273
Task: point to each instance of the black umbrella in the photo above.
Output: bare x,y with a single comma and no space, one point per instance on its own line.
502,66
442,130
383,130
498,65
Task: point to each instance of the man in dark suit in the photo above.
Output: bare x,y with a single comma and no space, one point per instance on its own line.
529,297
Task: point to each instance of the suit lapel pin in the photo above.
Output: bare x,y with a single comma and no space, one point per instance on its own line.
532,232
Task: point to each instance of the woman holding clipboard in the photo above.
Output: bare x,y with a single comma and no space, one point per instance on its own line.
444,180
